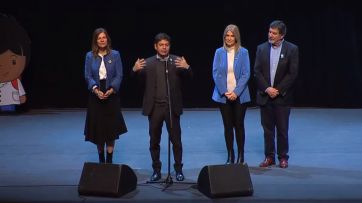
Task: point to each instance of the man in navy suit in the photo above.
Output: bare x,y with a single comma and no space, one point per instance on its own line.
163,74
276,70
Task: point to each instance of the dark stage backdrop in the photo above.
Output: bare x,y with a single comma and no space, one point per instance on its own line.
328,33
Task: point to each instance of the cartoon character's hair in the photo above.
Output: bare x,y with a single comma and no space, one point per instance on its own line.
13,37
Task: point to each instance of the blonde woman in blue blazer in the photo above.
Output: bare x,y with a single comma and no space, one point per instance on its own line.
231,72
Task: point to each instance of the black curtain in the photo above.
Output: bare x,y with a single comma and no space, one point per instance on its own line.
328,34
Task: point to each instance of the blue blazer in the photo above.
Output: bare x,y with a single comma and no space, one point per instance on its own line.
114,68
241,71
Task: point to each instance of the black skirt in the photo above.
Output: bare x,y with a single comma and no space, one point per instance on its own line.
104,120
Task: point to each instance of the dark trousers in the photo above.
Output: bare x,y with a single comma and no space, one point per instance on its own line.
160,114
233,114
273,117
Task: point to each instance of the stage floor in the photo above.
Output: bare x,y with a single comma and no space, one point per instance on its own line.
42,153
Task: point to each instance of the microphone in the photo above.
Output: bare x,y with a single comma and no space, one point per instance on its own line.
166,66
166,59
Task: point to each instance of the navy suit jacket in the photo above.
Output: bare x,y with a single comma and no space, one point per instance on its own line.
285,76
114,69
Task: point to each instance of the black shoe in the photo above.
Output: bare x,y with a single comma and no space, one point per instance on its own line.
101,157
180,176
240,159
231,157
155,176
109,158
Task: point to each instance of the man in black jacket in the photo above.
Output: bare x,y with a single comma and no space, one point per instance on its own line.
163,75
276,69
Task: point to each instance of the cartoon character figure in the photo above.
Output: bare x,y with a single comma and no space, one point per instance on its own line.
14,56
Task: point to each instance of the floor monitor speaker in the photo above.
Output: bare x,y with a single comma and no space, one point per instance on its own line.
112,180
225,180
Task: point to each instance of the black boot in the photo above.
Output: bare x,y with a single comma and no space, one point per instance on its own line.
101,157
240,159
109,158
231,157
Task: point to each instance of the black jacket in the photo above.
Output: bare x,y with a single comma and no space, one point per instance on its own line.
285,75
175,75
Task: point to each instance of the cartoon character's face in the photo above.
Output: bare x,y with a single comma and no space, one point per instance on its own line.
11,66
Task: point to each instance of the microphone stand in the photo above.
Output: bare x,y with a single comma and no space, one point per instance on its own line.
168,181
